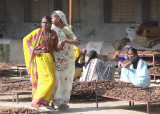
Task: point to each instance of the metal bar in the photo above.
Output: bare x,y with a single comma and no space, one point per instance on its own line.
148,108
17,94
154,78
17,98
148,103
154,74
70,12
13,98
124,99
20,72
153,60
97,100
17,71
131,103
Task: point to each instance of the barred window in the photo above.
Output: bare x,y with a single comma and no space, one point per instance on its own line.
35,9
119,11
63,5
2,10
77,11
155,10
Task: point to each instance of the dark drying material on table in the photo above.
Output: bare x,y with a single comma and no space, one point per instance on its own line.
14,110
119,90
8,85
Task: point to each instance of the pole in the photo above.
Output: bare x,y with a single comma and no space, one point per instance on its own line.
70,12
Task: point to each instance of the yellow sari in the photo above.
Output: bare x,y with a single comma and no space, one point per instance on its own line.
41,69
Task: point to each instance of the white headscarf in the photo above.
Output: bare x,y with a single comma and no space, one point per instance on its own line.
62,16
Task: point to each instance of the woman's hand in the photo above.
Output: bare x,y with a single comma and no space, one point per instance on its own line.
117,52
122,65
61,43
116,56
37,52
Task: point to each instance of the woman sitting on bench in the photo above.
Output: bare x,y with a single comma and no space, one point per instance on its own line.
135,71
96,69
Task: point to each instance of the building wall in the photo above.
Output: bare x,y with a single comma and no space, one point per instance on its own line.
92,27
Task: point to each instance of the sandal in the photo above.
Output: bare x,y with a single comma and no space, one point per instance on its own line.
46,108
35,107
63,107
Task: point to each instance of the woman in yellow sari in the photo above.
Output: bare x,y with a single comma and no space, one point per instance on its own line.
38,52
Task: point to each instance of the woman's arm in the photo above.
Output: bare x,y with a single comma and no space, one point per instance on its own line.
75,41
126,64
57,45
70,36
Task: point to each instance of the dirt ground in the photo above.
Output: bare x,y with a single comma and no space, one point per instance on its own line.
109,106
80,105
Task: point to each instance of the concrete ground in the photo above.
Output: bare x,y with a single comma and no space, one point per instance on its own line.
108,106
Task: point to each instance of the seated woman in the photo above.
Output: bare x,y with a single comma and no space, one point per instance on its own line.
135,71
96,69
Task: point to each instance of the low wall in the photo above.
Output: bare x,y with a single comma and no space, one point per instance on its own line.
16,54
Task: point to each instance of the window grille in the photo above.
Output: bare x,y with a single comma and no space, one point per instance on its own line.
155,10
2,10
63,5
119,11
35,10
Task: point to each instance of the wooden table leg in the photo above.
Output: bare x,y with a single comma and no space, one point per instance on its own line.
17,97
97,100
13,97
148,108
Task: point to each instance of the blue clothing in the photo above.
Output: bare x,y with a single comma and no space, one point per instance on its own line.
139,76
122,58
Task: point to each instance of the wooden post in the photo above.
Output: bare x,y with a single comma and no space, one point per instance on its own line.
70,12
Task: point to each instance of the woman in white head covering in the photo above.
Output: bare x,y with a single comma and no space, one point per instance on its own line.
64,59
